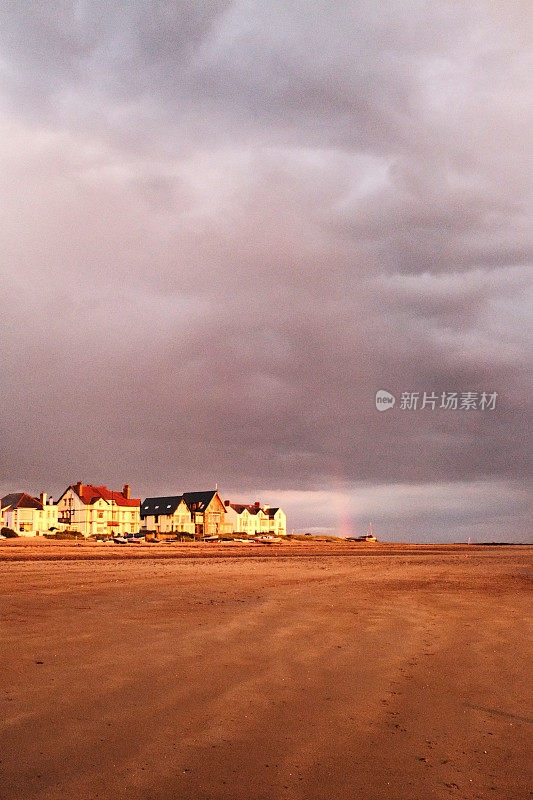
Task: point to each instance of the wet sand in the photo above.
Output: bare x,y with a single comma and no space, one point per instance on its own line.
304,671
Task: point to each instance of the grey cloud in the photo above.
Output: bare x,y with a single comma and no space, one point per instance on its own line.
227,225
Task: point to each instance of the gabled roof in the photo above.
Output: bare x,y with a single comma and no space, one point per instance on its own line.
89,494
20,500
198,501
272,511
251,509
195,501
239,507
153,506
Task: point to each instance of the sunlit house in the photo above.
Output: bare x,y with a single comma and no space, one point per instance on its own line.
199,513
277,521
166,515
241,518
255,519
98,511
262,518
27,515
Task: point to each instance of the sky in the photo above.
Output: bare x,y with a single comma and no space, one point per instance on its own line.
224,226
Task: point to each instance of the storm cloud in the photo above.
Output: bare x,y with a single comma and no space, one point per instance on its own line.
224,226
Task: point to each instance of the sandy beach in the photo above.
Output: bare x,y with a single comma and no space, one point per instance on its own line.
299,672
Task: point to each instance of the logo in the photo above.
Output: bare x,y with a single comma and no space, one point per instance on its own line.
384,400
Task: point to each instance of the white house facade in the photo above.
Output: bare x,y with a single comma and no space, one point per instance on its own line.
27,515
99,511
255,519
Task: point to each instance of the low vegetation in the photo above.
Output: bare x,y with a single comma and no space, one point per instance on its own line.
308,537
69,535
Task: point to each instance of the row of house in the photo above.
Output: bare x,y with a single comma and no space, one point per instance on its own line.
102,512
204,513
256,519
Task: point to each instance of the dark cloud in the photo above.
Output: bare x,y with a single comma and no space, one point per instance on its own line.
225,226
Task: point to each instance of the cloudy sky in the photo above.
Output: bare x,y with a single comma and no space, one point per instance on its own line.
225,225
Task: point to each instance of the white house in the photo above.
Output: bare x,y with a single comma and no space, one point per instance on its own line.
241,518
27,515
277,521
254,519
166,515
99,511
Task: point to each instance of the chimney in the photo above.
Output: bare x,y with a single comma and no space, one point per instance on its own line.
266,507
50,501
77,487
257,504
126,491
42,498
226,503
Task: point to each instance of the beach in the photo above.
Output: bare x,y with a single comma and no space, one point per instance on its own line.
299,672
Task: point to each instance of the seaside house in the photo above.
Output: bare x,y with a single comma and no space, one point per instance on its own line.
199,513
262,517
166,515
241,518
98,511
277,521
254,519
27,515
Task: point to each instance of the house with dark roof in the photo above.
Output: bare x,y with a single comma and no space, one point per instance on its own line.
253,519
198,513
27,515
248,519
166,515
241,518
99,511
277,521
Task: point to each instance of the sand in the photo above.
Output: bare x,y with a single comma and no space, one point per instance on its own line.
306,672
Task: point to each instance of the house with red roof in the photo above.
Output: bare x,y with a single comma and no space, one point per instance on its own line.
99,511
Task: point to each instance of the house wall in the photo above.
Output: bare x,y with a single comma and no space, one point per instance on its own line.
101,518
263,522
71,513
214,517
278,523
178,522
31,521
247,523
48,518
232,519
182,519
233,522
148,523
21,520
